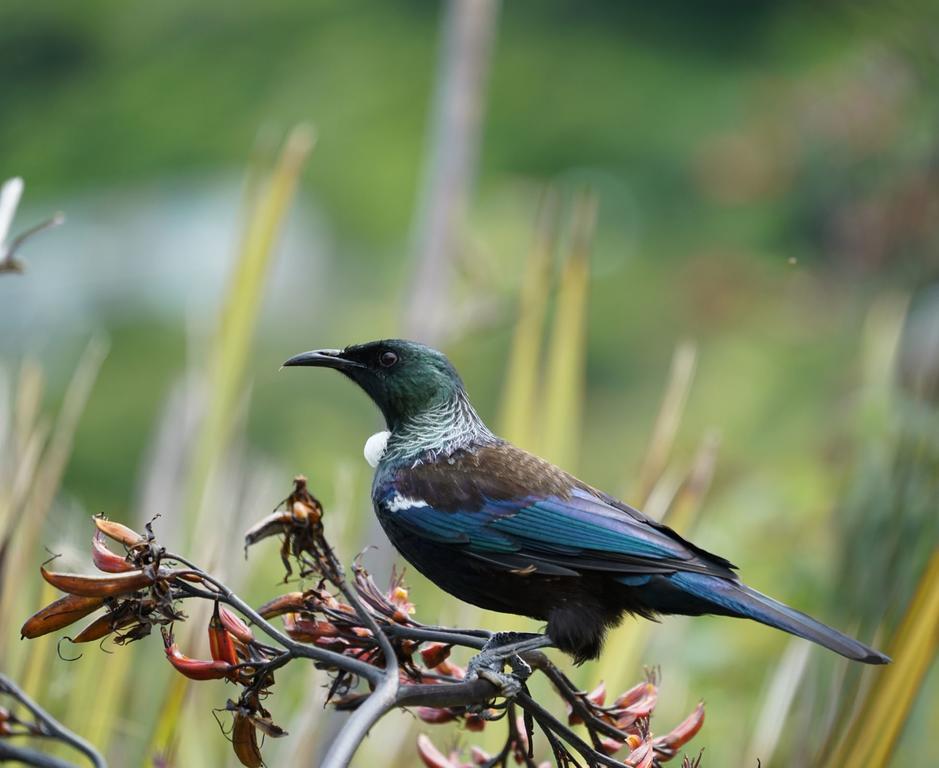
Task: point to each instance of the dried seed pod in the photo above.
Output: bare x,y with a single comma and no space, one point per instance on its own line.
274,524
106,560
127,536
288,603
98,586
267,726
303,511
244,740
104,626
221,645
194,669
306,631
64,611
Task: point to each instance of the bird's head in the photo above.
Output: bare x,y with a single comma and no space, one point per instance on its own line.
404,378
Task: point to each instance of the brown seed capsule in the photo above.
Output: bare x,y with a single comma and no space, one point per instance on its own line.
304,512
306,631
272,525
289,603
267,726
102,627
106,560
244,740
64,611
98,586
127,536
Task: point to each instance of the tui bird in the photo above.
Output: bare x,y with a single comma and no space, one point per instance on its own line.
503,529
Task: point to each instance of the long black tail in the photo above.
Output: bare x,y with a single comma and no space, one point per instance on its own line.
737,599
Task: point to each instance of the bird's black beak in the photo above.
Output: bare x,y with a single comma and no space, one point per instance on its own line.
323,358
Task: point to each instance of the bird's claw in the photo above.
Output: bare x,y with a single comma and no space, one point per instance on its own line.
489,667
508,685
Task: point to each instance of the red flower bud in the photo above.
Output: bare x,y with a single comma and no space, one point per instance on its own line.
221,645
682,733
434,654
235,625
194,669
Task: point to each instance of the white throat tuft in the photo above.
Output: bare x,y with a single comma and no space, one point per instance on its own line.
375,447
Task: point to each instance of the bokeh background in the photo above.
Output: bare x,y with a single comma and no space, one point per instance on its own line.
687,250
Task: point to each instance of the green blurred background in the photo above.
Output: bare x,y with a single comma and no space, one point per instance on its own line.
767,178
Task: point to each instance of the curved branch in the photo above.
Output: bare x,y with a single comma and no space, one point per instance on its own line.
462,694
449,636
378,704
31,757
50,726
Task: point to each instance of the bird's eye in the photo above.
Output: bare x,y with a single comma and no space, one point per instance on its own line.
387,359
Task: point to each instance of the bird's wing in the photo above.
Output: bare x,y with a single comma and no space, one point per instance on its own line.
508,508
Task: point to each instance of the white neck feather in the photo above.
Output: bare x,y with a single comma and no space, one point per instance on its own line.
438,432
375,447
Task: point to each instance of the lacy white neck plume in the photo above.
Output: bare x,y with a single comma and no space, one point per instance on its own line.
438,431
375,447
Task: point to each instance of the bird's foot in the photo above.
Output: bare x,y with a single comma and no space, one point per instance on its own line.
508,685
501,649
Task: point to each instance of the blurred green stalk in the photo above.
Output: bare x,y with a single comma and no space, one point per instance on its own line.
226,376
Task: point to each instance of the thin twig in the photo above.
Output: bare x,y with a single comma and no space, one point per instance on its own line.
549,722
